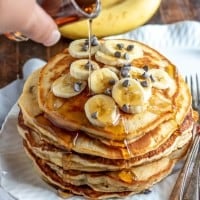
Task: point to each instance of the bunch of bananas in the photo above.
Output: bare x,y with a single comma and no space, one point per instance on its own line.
117,16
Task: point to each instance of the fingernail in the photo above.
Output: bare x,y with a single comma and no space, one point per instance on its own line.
54,38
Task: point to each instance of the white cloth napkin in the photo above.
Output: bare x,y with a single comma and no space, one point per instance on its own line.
10,93
8,97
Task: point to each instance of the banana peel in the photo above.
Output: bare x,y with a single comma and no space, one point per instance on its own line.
116,17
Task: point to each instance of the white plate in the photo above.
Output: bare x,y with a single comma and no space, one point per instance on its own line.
16,171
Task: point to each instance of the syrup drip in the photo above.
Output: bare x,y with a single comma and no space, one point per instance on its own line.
58,103
90,44
75,139
127,147
126,129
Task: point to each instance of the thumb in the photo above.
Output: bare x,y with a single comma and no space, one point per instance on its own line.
41,28
30,19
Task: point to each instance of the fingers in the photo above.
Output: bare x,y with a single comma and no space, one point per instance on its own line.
41,28
30,19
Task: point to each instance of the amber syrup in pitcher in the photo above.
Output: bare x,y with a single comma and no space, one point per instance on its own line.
64,12
68,11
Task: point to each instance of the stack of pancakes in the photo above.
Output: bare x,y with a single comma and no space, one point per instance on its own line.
115,160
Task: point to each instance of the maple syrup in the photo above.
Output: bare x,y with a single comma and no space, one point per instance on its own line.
90,48
68,11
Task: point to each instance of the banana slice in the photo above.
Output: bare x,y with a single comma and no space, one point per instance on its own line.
110,60
160,79
122,49
102,81
80,49
130,95
140,74
118,52
66,86
101,110
81,68
132,72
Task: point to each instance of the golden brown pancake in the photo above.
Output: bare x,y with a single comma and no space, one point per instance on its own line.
68,159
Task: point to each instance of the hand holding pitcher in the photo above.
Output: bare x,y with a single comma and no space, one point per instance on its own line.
39,20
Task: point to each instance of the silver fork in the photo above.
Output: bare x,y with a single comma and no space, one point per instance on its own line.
180,185
194,86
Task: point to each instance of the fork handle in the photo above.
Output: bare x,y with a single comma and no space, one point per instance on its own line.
177,192
192,189
175,195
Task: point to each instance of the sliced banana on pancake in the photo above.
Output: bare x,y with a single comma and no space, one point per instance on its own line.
122,49
118,52
132,72
140,74
160,79
101,110
102,81
110,60
80,48
81,68
129,94
67,86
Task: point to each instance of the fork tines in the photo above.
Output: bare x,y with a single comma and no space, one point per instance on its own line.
193,83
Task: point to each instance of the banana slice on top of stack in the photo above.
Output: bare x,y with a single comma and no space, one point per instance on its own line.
102,81
160,79
81,68
101,110
67,86
80,48
116,85
130,95
118,52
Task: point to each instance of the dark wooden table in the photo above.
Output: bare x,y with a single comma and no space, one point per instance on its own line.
13,55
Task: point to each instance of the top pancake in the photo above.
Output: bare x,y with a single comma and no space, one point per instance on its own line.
168,105
152,145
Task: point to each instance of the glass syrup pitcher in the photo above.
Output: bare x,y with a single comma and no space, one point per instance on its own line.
64,12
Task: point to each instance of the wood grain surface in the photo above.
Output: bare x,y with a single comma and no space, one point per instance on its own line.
13,55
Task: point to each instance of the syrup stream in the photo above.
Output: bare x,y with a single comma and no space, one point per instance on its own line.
89,57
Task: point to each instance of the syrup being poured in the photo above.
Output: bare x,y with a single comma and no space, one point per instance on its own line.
89,49
90,38
67,11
